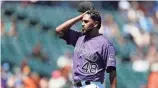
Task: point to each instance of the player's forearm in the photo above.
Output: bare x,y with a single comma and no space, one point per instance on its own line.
66,25
113,79
114,82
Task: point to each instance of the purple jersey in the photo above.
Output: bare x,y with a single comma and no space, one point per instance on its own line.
91,57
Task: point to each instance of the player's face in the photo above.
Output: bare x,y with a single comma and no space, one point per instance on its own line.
87,23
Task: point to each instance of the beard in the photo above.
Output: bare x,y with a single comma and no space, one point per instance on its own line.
86,32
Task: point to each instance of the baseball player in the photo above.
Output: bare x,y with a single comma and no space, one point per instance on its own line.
93,53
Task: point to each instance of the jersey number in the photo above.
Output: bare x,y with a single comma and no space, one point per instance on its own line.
90,67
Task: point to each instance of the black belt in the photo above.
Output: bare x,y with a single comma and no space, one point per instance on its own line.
79,84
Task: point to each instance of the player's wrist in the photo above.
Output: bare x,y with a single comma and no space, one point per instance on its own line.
78,18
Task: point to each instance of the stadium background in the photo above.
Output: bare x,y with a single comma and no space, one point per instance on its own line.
32,56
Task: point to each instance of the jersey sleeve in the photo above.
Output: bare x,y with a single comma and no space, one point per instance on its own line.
71,37
109,58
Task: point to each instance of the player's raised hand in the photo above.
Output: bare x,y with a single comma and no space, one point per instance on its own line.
81,16
66,25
